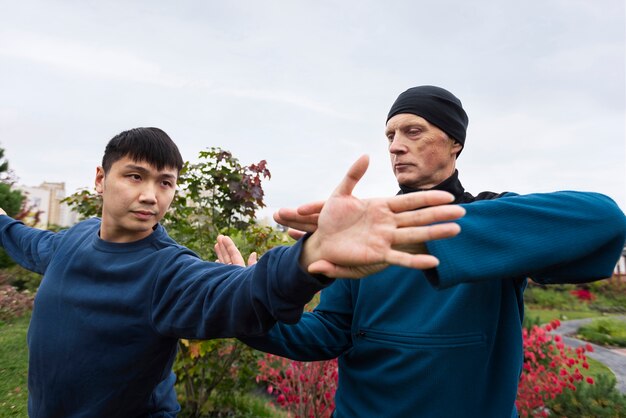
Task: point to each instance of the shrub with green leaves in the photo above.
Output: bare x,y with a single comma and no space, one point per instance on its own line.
600,400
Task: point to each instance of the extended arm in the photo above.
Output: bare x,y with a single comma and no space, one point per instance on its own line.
29,247
319,335
559,237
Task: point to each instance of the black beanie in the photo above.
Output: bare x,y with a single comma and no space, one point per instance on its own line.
438,106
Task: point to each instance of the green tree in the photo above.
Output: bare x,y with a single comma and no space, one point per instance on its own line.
86,203
6,175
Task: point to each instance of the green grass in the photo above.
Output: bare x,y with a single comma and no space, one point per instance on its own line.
547,315
253,405
605,331
13,368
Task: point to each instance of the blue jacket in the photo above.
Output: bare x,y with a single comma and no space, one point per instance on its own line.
447,342
107,316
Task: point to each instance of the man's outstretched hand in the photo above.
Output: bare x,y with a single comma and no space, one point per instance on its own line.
355,238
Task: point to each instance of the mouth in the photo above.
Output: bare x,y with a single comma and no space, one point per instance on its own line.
143,214
401,166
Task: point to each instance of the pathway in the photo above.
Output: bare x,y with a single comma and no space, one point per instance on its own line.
614,359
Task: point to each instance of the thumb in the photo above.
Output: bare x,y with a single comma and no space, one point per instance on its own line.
352,177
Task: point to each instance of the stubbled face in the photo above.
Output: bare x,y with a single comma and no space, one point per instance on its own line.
135,197
422,155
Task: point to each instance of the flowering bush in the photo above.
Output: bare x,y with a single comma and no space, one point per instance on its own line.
583,294
306,389
549,369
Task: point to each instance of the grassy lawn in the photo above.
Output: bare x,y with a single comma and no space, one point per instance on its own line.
546,315
13,368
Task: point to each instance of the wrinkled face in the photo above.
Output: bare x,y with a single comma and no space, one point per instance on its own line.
135,197
422,155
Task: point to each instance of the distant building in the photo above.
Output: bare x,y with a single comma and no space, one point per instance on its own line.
46,200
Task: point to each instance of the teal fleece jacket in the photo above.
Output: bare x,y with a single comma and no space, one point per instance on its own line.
107,316
447,342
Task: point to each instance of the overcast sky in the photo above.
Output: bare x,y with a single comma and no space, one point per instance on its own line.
306,85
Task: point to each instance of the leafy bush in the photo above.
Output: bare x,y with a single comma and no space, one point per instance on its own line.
611,296
20,278
211,373
217,195
600,400
604,331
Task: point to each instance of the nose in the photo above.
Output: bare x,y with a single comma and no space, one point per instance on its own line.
148,194
397,145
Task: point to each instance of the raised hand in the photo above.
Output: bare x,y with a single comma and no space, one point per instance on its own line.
355,237
228,253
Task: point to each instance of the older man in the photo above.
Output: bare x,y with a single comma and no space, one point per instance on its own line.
447,341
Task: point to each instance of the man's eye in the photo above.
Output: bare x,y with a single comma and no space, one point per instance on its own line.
414,132
134,176
167,183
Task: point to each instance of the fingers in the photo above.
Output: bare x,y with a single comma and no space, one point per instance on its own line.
312,208
418,234
415,261
412,201
352,177
227,252
291,219
252,259
418,261
430,215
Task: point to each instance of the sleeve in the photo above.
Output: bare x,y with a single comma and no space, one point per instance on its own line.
31,248
561,237
198,299
322,334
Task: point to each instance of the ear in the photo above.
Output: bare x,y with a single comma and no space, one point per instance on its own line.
99,180
456,148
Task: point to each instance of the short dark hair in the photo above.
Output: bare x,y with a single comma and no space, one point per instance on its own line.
151,145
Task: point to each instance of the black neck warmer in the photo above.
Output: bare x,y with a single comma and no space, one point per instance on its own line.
453,185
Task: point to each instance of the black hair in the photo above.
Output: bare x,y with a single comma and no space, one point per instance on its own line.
151,145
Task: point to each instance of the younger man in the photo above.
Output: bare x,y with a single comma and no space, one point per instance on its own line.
117,292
